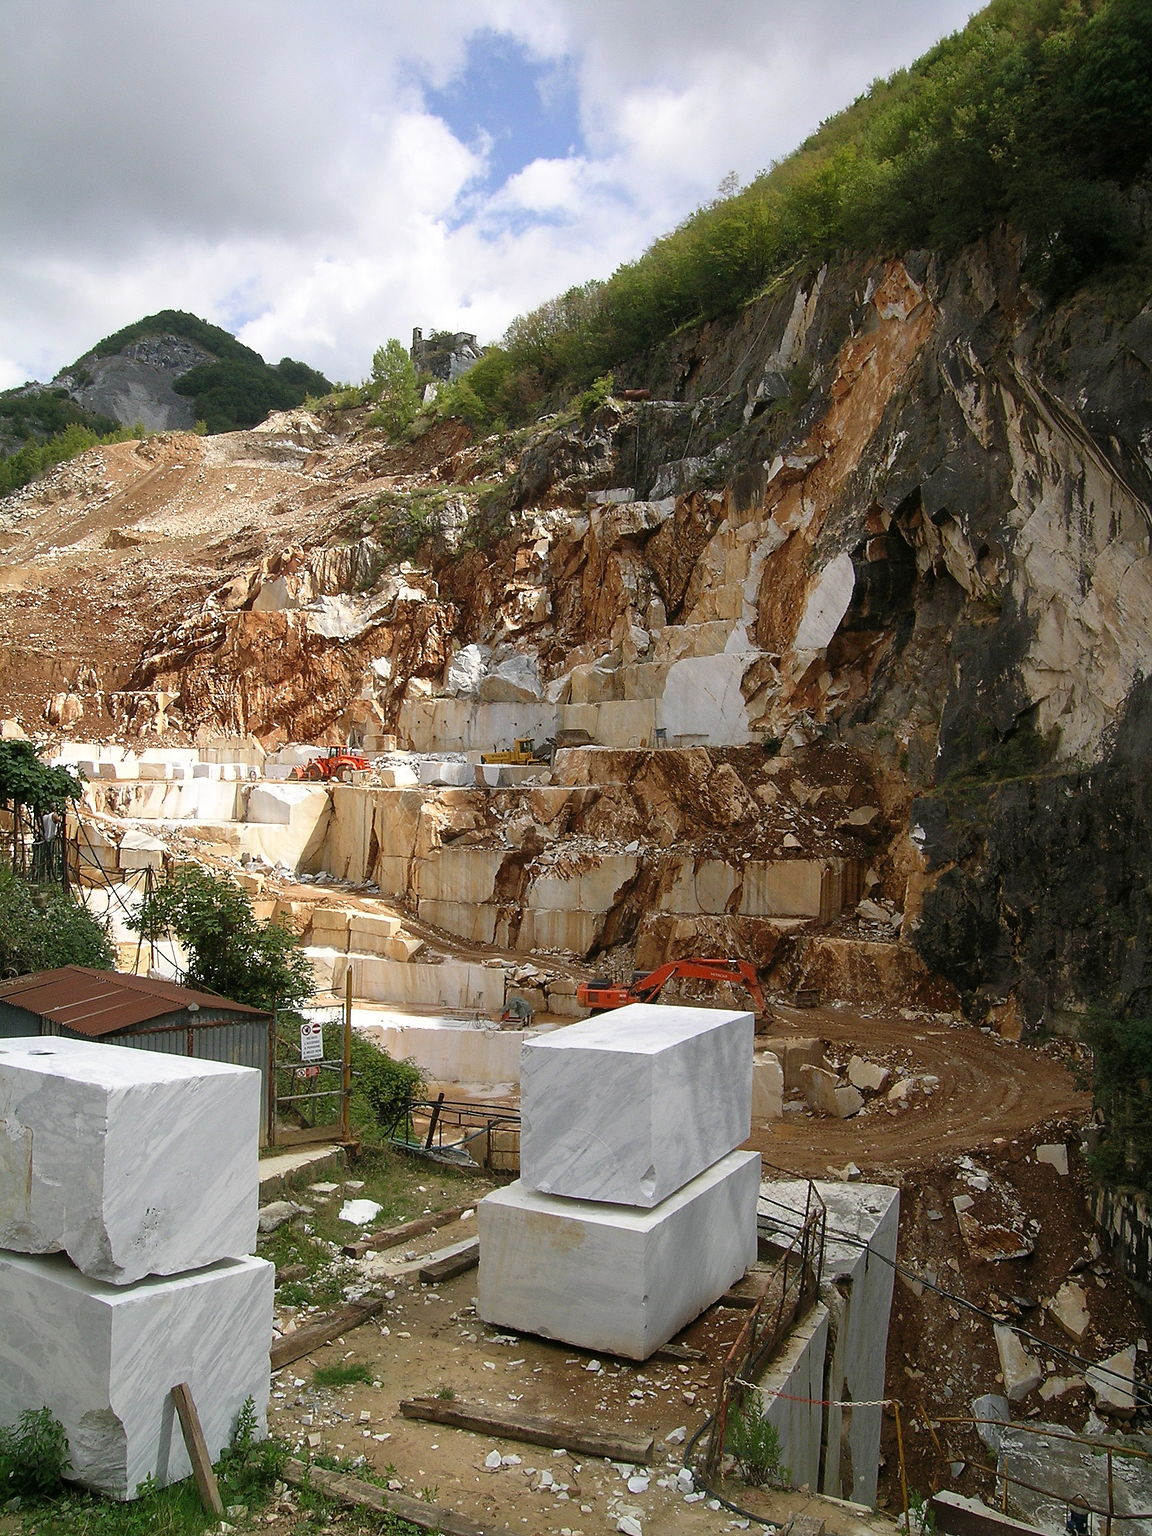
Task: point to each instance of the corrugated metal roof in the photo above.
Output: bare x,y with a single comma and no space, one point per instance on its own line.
101,1002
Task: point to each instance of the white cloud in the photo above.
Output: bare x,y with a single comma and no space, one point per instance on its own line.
272,165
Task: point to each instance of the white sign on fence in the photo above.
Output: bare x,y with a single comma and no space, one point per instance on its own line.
311,1040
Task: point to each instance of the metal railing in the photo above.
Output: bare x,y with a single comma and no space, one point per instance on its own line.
791,1289
451,1126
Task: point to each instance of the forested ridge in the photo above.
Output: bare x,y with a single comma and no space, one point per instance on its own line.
1037,115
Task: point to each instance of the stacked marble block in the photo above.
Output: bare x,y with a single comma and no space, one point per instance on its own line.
633,1211
129,1189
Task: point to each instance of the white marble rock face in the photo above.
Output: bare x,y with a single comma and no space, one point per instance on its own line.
105,1358
131,1162
611,1279
630,1105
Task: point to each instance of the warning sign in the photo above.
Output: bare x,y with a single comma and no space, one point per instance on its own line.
311,1040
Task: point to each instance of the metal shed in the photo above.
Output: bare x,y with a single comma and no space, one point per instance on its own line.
141,1011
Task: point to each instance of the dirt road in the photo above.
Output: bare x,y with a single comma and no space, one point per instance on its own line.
989,1089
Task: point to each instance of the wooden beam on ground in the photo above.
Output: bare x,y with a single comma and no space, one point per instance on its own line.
448,1268
197,1450
677,1352
555,1433
323,1330
739,1300
389,1237
350,1490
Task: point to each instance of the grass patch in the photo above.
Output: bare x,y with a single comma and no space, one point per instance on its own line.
342,1375
246,1472
402,1186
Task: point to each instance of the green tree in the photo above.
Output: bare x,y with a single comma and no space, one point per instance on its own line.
29,788
42,929
231,952
394,389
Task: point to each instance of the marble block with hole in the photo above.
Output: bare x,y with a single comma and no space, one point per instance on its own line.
630,1105
131,1162
612,1279
104,1359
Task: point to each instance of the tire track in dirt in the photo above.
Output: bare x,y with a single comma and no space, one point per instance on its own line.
989,1090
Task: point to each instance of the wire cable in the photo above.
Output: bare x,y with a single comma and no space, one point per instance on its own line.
852,1240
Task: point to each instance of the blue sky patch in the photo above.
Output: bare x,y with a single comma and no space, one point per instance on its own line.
526,108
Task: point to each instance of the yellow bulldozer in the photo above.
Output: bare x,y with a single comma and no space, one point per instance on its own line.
524,752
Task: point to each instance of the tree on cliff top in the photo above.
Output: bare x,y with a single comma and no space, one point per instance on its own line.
231,952
1036,116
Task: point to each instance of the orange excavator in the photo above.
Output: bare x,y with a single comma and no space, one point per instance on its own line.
645,986
337,764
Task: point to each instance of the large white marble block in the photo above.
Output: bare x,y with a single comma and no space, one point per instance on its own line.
610,1278
132,1162
630,1105
105,1358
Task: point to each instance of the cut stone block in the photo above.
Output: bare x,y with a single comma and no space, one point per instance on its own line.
104,1360
1113,1383
826,1095
1020,1370
767,1087
433,772
132,1162
793,1054
1069,1307
1056,1155
614,1279
630,1105
868,1076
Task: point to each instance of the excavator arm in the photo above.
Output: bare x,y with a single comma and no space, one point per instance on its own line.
646,989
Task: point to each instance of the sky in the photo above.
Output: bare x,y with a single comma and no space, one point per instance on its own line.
319,175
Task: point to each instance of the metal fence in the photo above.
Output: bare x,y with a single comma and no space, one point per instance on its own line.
455,1129
313,1094
792,1288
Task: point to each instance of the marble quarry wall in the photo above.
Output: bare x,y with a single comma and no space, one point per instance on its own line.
540,889
128,1187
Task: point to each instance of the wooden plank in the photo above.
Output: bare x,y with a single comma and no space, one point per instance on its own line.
455,1264
197,1450
740,1300
677,1352
389,1237
323,1330
533,1431
350,1490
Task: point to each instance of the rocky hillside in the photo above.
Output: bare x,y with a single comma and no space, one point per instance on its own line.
869,564
165,372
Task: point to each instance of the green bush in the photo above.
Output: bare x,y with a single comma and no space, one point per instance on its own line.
231,953
41,929
251,1463
754,1444
380,1086
343,1374
33,1455
1122,1088
393,389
